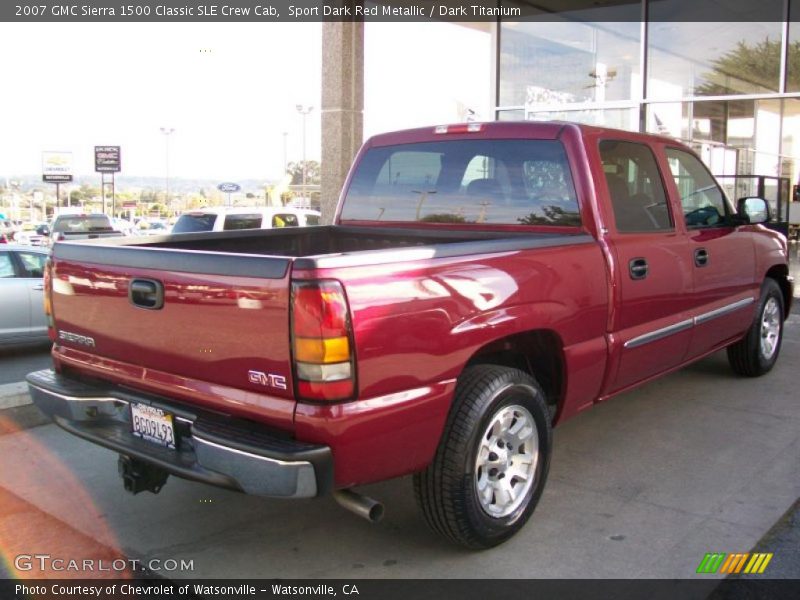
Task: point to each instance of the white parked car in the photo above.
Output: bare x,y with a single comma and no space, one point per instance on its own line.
124,226
233,218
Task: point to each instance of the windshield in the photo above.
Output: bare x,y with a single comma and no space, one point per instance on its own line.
82,224
512,182
194,223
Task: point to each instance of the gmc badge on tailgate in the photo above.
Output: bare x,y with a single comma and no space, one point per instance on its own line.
267,379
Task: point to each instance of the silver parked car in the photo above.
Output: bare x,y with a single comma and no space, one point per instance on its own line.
22,318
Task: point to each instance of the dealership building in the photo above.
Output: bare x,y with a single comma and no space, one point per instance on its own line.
730,88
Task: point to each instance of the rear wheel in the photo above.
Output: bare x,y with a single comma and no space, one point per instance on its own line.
491,465
757,352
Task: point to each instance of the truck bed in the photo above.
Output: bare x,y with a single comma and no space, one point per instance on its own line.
311,247
226,302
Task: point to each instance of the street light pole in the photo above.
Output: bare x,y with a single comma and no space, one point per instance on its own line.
304,110
167,131
285,164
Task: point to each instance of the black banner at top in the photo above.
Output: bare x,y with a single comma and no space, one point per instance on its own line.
390,10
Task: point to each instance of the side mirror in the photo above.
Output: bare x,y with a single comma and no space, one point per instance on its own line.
755,210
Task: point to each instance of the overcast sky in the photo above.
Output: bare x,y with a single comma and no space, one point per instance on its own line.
229,91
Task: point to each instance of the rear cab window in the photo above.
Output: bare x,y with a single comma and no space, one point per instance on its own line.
504,182
82,224
195,222
242,221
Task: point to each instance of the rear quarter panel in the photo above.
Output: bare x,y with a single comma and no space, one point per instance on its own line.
416,325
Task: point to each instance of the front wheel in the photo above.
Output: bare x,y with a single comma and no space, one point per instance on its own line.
757,352
491,465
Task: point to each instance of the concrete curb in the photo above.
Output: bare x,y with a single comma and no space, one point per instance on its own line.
14,394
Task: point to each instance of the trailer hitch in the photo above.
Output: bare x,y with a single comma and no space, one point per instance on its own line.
139,476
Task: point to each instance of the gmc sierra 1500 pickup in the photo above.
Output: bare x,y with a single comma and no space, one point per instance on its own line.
480,283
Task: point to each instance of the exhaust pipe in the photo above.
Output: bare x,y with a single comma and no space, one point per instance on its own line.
364,507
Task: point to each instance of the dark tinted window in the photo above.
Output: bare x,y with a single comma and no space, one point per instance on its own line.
312,219
242,221
518,182
634,184
194,222
82,224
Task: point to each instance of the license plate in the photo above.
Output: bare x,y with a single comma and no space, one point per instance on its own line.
152,424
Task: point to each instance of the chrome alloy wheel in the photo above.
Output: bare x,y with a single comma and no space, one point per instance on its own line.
770,328
506,462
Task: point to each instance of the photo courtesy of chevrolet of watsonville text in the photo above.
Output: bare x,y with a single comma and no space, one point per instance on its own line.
445,322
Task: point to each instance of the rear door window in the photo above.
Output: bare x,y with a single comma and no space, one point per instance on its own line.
510,182
635,187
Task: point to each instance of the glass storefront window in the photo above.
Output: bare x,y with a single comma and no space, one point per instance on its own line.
563,62
793,56
617,118
712,59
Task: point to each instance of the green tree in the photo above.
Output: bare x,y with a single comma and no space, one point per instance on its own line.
751,68
295,169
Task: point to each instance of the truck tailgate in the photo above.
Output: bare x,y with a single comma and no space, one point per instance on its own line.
222,319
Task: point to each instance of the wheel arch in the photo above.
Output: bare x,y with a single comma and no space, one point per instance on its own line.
538,352
780,273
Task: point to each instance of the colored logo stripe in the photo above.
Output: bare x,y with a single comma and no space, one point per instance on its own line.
734,563
758,563
711,562
721,562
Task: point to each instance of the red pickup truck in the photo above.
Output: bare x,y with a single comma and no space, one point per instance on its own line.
480,283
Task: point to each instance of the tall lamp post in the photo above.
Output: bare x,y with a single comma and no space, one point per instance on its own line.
304,111
285,164
167,131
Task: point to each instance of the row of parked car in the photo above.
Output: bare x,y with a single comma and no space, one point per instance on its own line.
24,251
74,225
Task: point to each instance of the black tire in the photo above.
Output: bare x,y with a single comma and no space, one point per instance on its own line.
447,490
748,356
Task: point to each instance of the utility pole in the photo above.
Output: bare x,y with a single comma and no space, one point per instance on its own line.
167,131
304,111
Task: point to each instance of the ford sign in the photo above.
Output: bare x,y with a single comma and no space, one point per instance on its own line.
229,188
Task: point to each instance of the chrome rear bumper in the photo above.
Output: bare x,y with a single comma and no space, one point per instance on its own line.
221,451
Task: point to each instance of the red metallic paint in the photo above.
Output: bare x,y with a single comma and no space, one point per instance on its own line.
417,323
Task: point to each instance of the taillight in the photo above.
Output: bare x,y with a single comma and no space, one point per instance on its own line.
322,341
48,299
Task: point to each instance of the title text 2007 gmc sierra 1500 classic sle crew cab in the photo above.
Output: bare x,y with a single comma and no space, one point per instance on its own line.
480,283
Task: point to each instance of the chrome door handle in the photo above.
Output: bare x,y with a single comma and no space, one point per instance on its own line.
638,268
700,257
